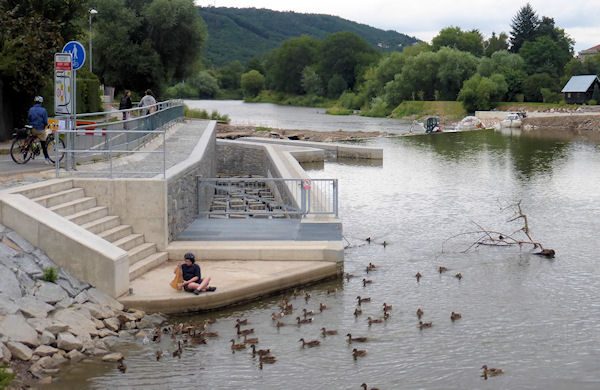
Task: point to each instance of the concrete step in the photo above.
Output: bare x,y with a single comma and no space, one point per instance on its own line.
60,197
130,241
140,252
74,206
88,215
116,233
145,265
102,224
51,188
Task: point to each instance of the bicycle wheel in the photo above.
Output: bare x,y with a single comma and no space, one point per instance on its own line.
51,144
20,152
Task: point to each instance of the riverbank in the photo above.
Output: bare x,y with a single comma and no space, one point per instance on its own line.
234,132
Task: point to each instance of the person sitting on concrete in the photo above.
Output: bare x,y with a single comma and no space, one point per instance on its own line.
192,280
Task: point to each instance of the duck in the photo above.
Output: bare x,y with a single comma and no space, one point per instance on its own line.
358,352
364,386
267,359
386,307
490,371
289,309
418,276
306,297
441,269
368,239
236,347
374,320
241,322
298,293
357,312
425,324
243,332
385,243
458,276
326,332
209,334
455,316
159,354
419,313
322,307
357,339
178,351
253,340
259,352
196,338
279,324
361,300
303,321
366,281
157,337
277,316
308,313
331,291
368,269
312,343
122,366
349,276
372,266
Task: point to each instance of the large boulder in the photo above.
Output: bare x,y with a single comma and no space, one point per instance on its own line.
7,252
47,338
64,283
20,242
79,324
43,260
19,350
82,297
9,285
151,321
16,328
7,306
26,283
50,292
75,283
47,324
33,307
68,342
102,299
112,323
29,266
112,357
45,350
97,311
75,355
5,353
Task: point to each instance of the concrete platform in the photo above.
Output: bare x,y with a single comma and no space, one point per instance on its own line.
236,282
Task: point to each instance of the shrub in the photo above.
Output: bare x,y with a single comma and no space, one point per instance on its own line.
336,86
50,274
592,102
378,108
5,377
252,83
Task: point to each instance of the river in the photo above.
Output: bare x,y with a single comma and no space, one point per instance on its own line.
536,318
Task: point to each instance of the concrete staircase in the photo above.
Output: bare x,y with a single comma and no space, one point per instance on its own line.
71,203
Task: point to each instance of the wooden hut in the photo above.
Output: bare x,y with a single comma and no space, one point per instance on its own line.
580,89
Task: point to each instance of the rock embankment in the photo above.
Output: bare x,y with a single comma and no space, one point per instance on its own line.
46,324
235,132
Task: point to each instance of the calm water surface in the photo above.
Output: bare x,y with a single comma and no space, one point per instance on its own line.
538,319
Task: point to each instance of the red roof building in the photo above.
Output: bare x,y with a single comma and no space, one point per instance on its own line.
588,52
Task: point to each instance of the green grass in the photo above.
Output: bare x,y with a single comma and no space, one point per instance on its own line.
203,114
420,109
50,274
262,128
337,110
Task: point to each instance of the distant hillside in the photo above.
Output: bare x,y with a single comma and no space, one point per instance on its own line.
243,33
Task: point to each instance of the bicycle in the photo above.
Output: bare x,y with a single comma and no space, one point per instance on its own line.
27,146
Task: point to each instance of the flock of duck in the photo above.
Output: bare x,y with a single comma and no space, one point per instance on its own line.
198,333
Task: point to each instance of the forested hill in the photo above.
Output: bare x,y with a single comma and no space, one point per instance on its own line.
243,33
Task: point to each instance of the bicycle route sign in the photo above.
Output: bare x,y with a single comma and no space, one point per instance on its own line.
63,99
77,52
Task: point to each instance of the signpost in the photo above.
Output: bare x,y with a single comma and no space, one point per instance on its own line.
63,98
77,52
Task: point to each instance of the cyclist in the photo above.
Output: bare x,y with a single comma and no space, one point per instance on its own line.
38,120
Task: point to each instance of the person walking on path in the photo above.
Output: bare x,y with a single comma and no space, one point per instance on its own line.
38,120
147,100
126,104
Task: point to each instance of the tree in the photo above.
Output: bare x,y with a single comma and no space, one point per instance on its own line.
345,54
254,63
532,86
311,82
205,84
229,76
454,68
335,86
511,66
480,93
544,55
252,83
524,25
454,37
495,43
285,64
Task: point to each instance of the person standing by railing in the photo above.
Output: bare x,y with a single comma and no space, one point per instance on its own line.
148,100
126,104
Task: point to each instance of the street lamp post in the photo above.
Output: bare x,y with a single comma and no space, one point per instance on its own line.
92,12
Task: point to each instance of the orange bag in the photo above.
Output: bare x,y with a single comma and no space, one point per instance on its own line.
178,279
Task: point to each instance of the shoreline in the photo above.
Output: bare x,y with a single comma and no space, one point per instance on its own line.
234,132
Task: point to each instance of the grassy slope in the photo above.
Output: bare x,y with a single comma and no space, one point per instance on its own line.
417,109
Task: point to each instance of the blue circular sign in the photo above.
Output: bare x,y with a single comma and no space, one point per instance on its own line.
77,52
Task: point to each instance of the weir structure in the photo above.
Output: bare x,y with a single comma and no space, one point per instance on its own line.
122,219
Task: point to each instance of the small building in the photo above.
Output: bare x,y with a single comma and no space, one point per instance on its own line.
588,52
580,89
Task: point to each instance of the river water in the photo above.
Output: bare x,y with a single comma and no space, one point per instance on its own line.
536,318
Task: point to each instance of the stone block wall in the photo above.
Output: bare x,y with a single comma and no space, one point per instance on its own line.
241,158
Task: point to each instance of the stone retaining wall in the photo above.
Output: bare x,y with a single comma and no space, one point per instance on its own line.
241,158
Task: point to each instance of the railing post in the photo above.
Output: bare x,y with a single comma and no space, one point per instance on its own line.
302,199
335,197
164,154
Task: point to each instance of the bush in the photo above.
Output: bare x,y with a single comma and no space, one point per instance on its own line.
50,274
337,110
5,377
378,108
481,93
252,83
550,97
336,86
592,102
203,114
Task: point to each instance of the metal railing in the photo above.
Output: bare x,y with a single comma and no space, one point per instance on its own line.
266,197
112,137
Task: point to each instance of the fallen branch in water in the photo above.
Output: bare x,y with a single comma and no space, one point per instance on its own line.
488,237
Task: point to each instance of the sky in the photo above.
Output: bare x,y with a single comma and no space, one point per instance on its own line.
425,18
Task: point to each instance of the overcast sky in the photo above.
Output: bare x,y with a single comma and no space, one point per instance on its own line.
425,18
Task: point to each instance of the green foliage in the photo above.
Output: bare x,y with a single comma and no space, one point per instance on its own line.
337,110
511,66
230,76
206,86
286,64
255,64
181,91
203,114
593,102
454,37
252,83
311,82
5,377
596,93
495,43
452,110
350,100
481,93
377,108
50,274
524,25
336,86
549,96
243,33
532,86
544,55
